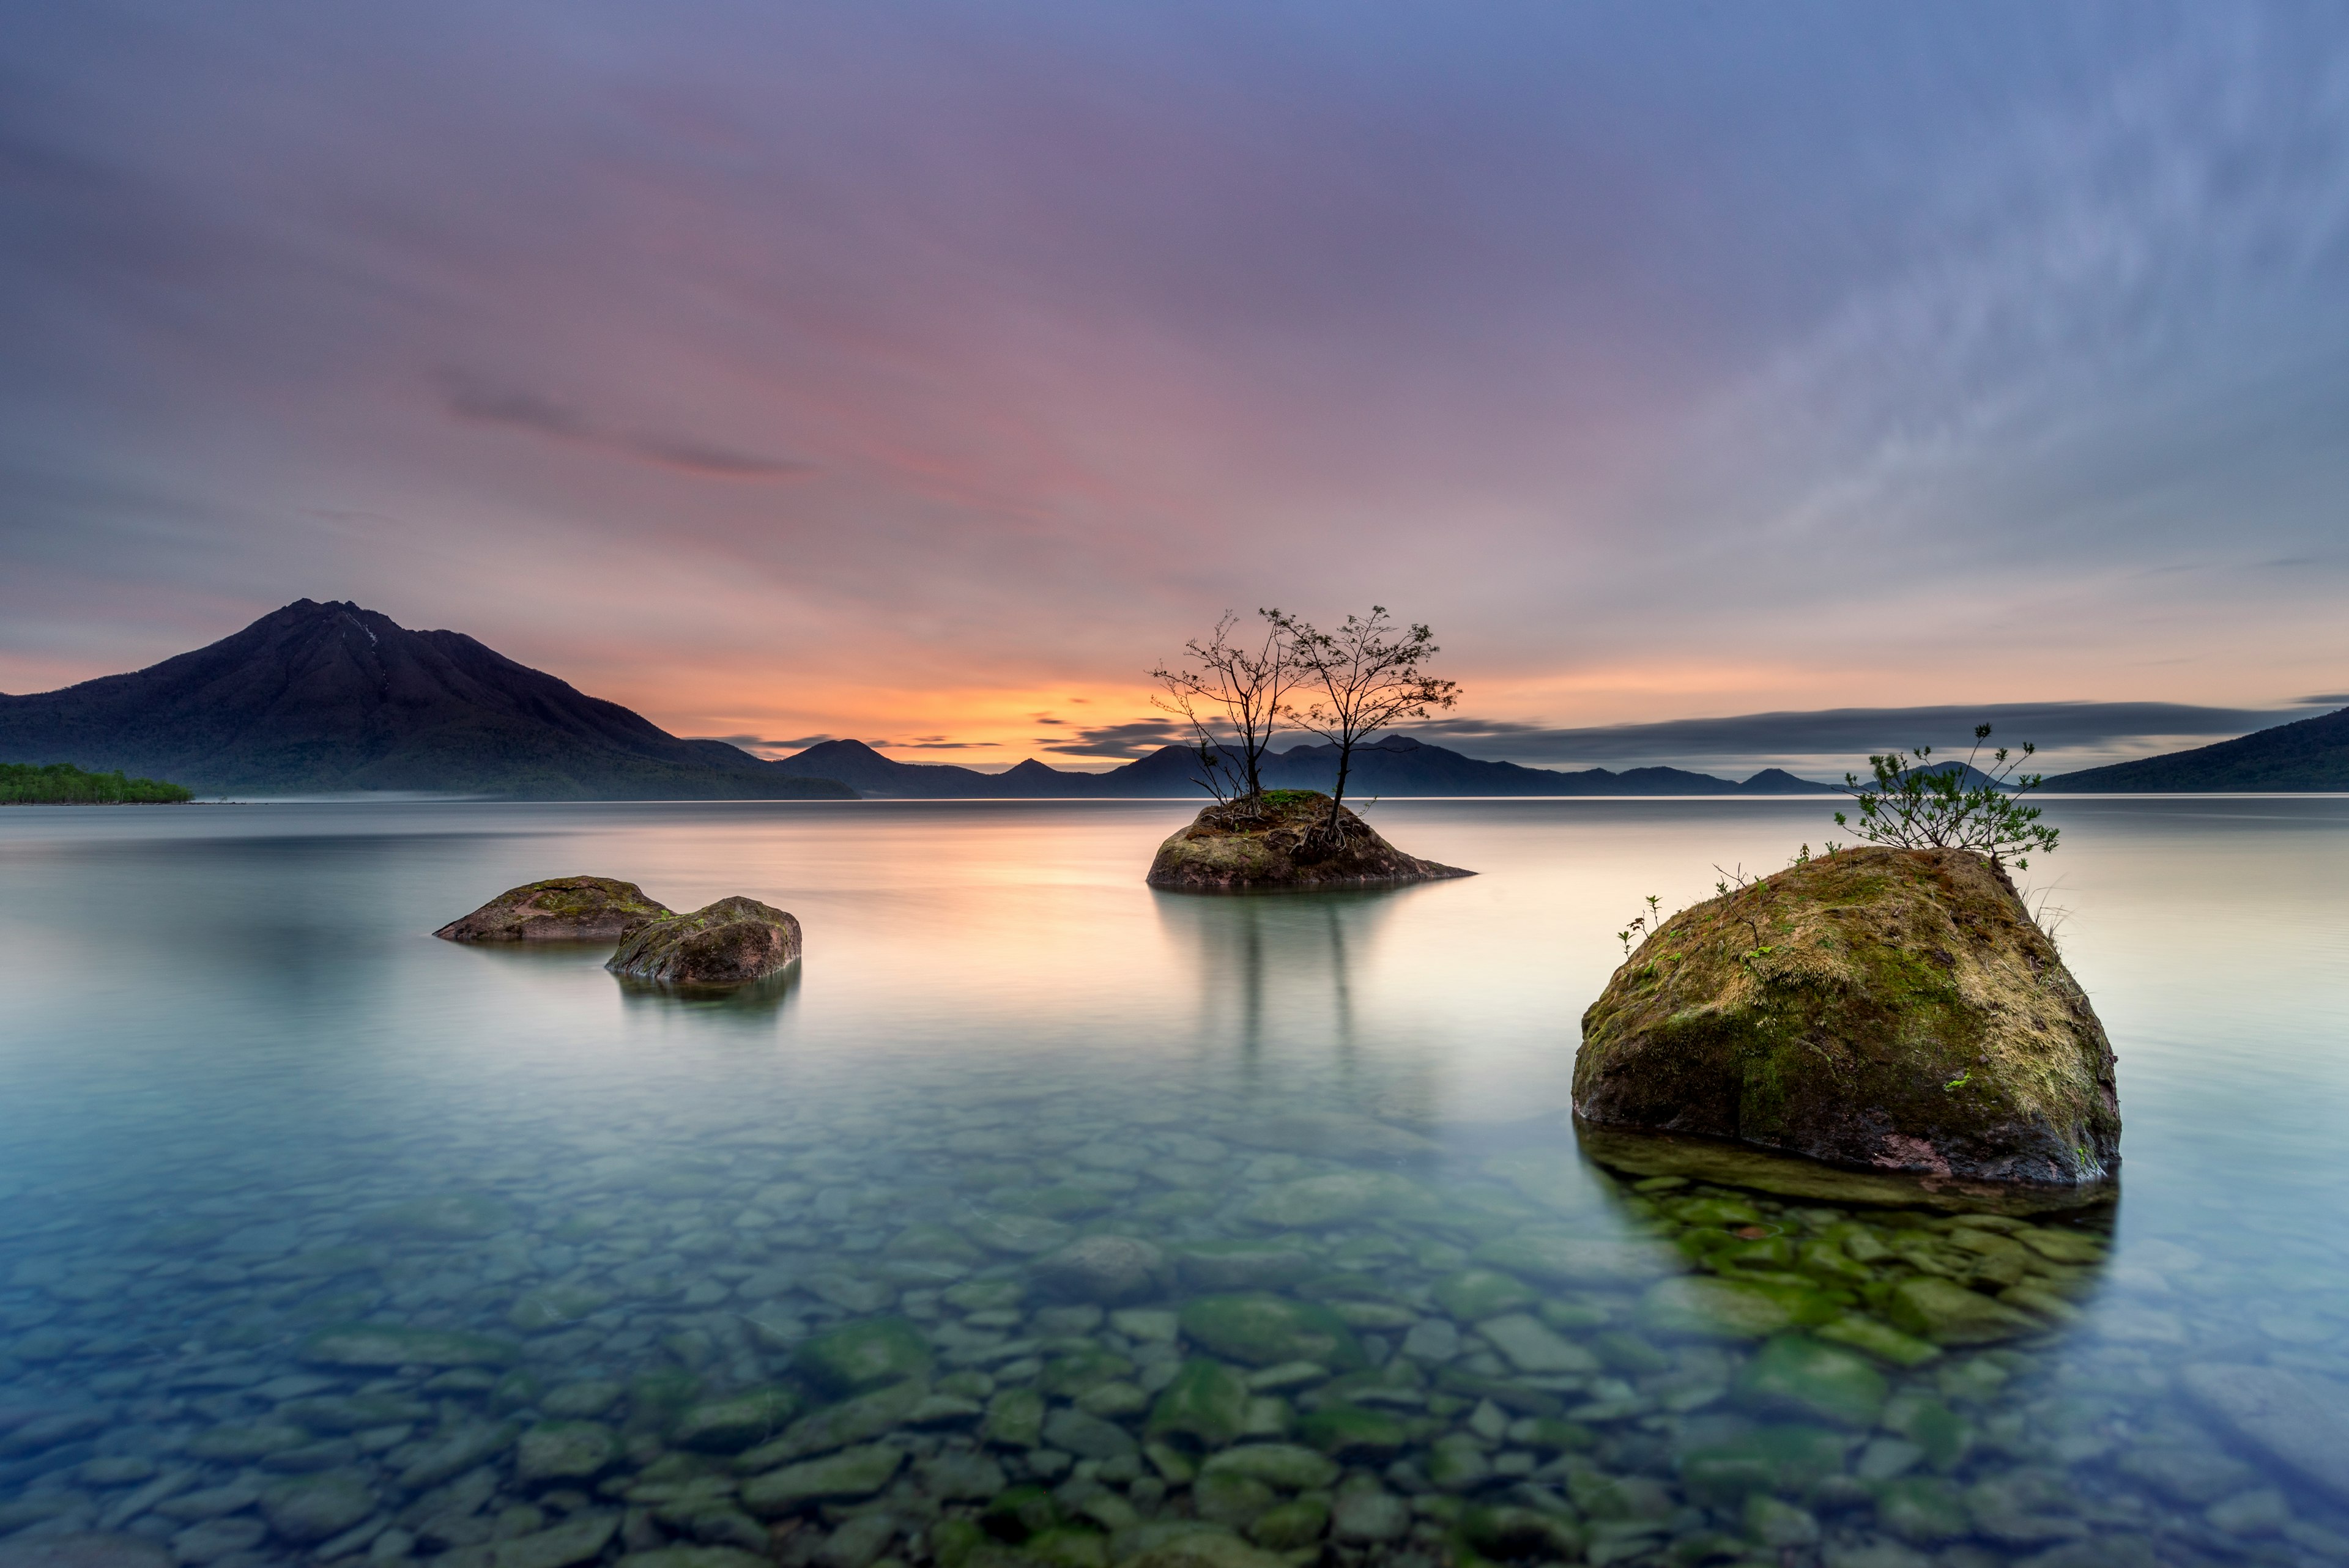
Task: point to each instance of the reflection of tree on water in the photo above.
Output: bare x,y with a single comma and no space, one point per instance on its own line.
1269,966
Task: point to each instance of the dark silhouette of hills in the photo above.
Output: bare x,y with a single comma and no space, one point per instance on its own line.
326,698
2310,753
1396,766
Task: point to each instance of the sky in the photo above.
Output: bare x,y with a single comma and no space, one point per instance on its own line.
1726,385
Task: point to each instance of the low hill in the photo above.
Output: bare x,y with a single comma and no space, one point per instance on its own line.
2311,754
1396,766
317,698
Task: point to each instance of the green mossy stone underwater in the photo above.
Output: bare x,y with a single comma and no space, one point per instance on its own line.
1879,1010
851,1473
860,1357
1266,1330
1207,1400
736,1422
1792,1374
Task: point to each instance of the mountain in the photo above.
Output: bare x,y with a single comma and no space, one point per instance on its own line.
323,697
2311,754
1396,766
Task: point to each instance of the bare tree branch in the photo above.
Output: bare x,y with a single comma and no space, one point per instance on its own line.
1243,688
1369,676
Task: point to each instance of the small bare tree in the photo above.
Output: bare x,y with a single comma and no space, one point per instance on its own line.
1243,688
1366,675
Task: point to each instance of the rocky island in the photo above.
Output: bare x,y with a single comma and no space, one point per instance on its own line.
1894,1011
730,942
1284,839
560,909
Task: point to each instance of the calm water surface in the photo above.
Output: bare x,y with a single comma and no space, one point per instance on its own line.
321,1240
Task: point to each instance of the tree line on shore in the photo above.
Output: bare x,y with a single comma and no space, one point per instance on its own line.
63,784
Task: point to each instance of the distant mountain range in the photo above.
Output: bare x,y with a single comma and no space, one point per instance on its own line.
323,698
2311,754
1395,766
328,698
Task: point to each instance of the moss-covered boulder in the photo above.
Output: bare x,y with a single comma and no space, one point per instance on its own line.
560,908
1284,839
1880,1009
730,942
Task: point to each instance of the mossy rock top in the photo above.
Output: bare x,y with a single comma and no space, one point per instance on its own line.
1877,1009
1283,839
560,908
730,942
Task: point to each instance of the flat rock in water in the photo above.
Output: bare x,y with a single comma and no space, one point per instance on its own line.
560,908
1882,1009
85,1551
1284,839
2300,1419
730,942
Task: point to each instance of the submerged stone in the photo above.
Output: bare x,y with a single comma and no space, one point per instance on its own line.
1351,1431
849,1474
1475,1293
2299,1419
1949,1313
725,1426
850,1421
1532,1346
1207,1400
560,909
1711,1308
565,1450
1573,1260
858,1356
370,1344
1283,837
1281,1465
1789,1459
1266,1330
1015,1419
730,942
1244,1265
1876,1009
1291,1526
318,1507
1318,1202
88,1550
1798,1375
1102,1269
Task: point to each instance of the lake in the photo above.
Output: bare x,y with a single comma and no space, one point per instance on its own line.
321,1239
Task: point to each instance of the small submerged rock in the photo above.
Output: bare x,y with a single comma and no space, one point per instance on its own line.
730,942
560,909
1283,839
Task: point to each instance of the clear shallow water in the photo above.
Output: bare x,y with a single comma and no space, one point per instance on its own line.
246,1104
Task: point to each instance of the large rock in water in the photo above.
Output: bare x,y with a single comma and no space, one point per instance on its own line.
730,942
560,909
1279,838
1876,1008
